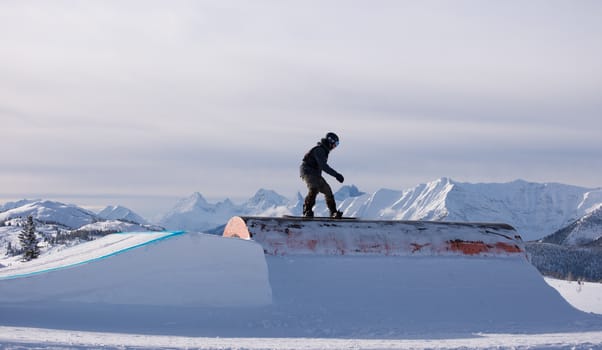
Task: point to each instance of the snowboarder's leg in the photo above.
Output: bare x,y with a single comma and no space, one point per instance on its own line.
330,201
310,201
313,188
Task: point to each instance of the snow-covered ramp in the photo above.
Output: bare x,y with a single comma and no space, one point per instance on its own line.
375,296
165,268
373,278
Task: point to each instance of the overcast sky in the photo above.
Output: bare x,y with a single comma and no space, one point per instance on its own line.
153,100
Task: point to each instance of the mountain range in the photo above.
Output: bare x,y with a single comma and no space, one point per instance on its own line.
118,212
586,231
536,210
562,223
46,211
56,221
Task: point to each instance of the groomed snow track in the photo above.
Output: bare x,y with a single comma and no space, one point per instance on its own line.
299,236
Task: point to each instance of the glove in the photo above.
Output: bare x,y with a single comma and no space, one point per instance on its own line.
340,178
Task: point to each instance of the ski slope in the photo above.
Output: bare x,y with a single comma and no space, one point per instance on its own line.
203,291
84,253
159,269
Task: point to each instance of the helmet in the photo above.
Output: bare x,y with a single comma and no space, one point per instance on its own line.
333,139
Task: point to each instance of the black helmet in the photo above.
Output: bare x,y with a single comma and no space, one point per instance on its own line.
333,139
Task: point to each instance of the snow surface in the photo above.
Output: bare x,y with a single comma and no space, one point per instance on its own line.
317,302
126,268
81,253
585,296
37,338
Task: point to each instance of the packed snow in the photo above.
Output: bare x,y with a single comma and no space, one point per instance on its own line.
38,338
125,269
585,296
79,254
292,302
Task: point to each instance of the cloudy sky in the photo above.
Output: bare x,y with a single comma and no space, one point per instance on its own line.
143,102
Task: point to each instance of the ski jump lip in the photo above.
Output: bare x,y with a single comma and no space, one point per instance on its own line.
166,235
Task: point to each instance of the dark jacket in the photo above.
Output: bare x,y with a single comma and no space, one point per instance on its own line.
315,161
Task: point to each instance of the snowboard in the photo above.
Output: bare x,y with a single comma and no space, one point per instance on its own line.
320,218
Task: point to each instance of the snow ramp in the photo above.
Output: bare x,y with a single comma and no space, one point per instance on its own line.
370,278
143,268
299,236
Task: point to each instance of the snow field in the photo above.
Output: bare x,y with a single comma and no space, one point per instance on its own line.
204,291
369,297
585,296
19,338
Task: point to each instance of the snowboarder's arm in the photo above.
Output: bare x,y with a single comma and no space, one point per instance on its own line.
320,156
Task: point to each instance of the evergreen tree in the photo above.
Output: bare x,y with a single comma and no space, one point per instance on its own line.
29,241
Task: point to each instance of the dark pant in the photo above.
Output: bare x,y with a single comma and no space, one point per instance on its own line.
316,184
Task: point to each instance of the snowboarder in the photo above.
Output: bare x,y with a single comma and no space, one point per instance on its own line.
314,161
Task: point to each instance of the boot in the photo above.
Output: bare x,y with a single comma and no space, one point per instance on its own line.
307,212
336,214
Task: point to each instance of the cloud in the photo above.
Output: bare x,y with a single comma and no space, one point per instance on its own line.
166,97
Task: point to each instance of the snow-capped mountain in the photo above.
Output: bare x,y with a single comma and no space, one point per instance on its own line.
534,209
585,231
68,215
348,192
264,201
12,205
195,213
423,202
121,213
